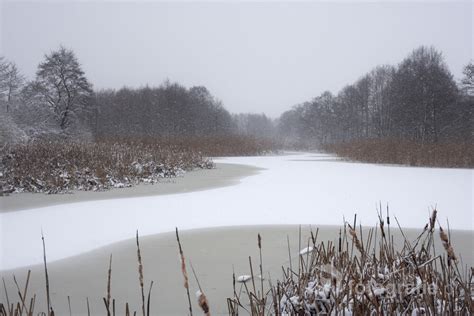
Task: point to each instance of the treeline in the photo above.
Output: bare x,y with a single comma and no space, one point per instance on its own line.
60,103
168,110
171,110
417,101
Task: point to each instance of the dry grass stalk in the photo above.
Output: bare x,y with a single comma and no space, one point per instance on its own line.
447,245
48,298
148,302
88,307
202,299
23,295
140,275
184,272
109,279
69,305
355,239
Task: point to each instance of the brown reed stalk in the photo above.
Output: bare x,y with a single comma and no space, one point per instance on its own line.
259,241
48,298
289,251
22,296
69,305
184,272
355,239
127,310
202,299
140,274
253,282
32,305
88,307
109,279
10,311
148,302
447,244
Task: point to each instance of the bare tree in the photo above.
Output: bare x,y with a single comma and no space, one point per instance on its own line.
62,83
3,77
467,82
417,100
14,82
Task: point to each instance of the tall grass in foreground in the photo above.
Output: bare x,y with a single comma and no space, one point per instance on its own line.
449,155
367,275
357,275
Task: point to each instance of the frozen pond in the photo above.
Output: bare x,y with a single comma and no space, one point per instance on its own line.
294,188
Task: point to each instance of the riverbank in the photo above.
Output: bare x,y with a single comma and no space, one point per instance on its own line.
224,174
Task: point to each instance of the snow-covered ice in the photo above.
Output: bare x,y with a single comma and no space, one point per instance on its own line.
293,189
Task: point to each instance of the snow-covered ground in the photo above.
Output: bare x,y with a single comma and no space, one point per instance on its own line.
294,188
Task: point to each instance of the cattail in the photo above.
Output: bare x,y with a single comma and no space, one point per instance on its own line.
433,219
447,245
203,303
184,272
340,241
356,240
140,275
109,278
381,223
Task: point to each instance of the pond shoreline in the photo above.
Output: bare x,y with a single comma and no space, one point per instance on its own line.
224,174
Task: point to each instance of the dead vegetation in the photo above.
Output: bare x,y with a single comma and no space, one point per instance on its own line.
60,167
445,155
367,275
357,275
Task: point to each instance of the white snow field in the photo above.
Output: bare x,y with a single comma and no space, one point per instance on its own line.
295,188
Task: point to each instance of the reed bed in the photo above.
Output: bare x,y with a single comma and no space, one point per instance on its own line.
60,167
445,155
356,275
366,275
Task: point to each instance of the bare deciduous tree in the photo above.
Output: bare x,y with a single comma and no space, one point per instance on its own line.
62,83
417,100
467,82
11,82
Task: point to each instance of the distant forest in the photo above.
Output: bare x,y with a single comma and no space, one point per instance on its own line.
417,100
60,103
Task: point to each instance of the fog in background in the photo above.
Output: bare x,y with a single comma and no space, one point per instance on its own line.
255,57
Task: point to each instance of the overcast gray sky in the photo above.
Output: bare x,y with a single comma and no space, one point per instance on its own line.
255,57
